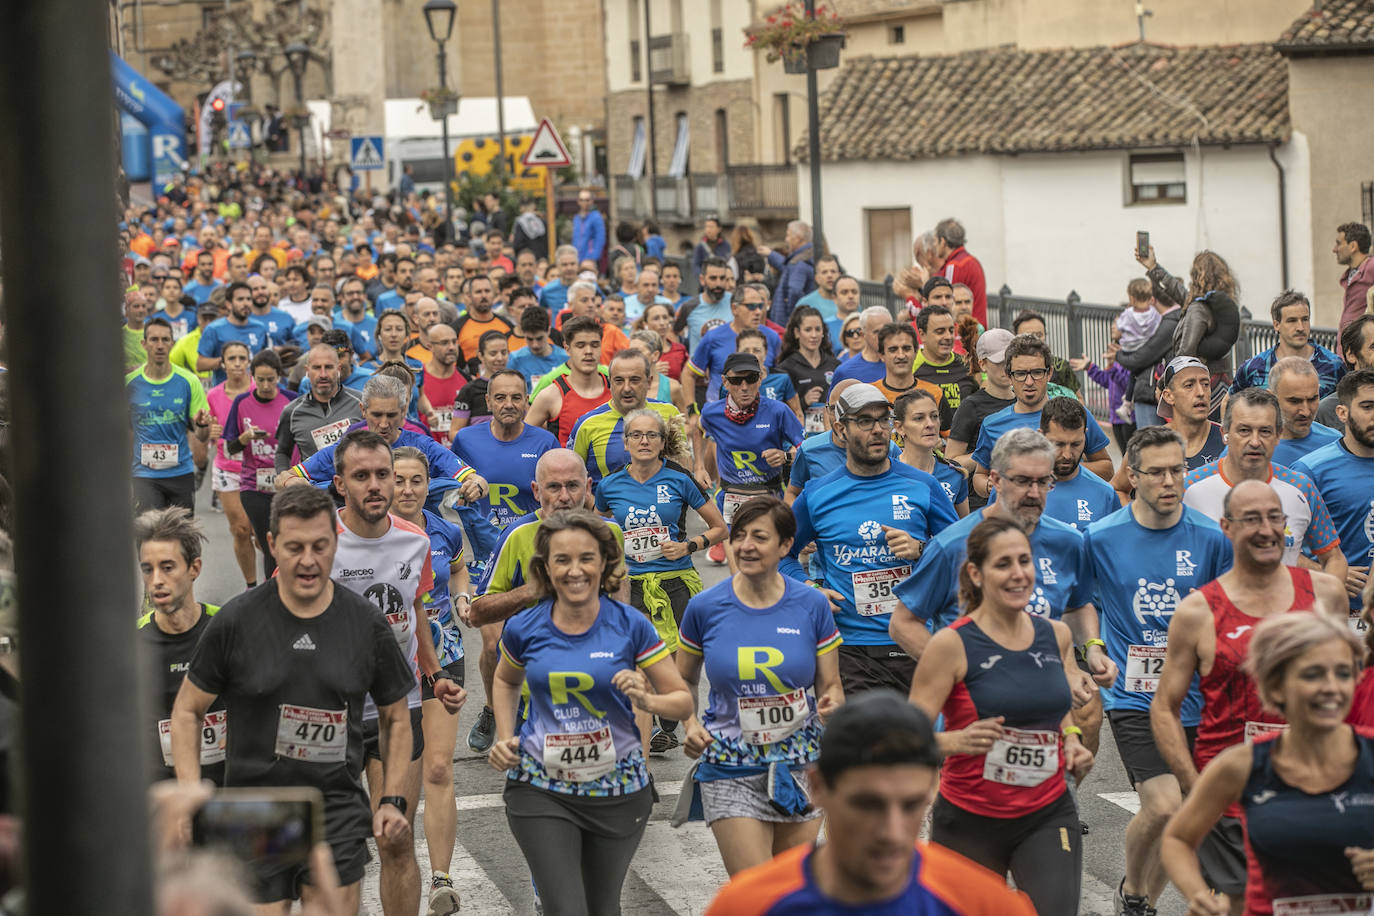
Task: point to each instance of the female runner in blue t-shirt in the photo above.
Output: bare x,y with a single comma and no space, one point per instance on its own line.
916,415
1308,794
578,792
768,644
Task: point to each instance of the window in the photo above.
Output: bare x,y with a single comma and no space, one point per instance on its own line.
680,163
717,40
896,35
722,140
889,240
782,129
634,29
635,169
1157,178
636,68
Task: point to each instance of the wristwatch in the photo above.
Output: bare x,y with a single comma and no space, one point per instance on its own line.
693,546
440,675
396,801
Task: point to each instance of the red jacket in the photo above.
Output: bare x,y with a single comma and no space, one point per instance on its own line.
962,267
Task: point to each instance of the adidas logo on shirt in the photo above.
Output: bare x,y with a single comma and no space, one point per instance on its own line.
304,644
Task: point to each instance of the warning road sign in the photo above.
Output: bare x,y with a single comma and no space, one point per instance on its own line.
365,154
547,148
239,137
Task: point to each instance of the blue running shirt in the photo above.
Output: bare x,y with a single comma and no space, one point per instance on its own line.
845,515
580,737
1081,500
507,466
445,552
161,412
1008,419
1346,485
761,663
1288,451
650,513
1142,574
739,445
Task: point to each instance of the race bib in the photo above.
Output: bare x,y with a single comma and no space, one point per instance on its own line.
1358,625
263,449
213,733
1256,730
873,590
400,623
266,480
160,456
1022,758
645,544
730,503
327,435
582,757
312,735
1324,905
768,720
815,419
1143,667
445,421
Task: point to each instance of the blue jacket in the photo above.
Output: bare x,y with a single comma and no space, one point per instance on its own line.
589,235
704,251
796,278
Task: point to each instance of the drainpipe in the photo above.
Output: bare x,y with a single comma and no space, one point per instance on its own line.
1283,215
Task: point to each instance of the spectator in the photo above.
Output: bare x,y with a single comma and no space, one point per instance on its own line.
1153,355
1352,253
407,185
1291,313
530,232
1357,352
712,244
589,229
652,239
822,298
796,271
958,266
625,246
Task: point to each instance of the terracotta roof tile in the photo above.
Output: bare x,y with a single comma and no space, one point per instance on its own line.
1012,101
1331,25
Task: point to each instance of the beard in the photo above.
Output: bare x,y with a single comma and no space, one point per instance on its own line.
1363,434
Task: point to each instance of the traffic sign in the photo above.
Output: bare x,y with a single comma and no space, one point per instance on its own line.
546,148
239,136
365,154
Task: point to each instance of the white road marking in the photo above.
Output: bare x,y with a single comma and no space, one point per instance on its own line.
1128,800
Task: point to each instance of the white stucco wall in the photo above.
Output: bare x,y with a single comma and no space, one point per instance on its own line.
1048,224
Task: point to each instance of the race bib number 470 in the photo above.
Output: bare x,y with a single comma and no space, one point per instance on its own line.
312,735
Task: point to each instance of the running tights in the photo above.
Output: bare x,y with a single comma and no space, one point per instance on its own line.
576,872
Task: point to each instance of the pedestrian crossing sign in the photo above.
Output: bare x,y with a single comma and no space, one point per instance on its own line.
366,154
239,137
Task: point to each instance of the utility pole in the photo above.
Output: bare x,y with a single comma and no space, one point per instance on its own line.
813,130
649,98
1140,14
500,96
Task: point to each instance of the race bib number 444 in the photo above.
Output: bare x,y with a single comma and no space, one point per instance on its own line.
583,757
312,735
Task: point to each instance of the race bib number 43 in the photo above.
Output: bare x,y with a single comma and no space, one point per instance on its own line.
312,735
582,757
873,590
159,456
768,720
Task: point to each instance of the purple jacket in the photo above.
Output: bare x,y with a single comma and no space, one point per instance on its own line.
1117,380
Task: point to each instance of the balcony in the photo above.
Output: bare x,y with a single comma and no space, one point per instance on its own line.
758,191
670,60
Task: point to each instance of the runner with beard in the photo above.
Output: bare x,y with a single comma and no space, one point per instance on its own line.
1079,497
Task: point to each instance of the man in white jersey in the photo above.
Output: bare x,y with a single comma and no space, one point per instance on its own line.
1251,425
386,560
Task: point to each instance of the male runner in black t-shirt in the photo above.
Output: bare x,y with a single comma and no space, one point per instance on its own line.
169,545
293,660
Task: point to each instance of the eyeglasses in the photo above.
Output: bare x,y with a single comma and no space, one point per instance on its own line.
1020,375
853,332
159,276
650,436
866,424
1178,472
1254,520
747,378
1025,483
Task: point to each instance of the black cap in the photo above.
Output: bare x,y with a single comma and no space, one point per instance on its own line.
742,362
876,728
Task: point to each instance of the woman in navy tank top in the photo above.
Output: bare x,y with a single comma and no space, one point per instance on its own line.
1307,793
1000,676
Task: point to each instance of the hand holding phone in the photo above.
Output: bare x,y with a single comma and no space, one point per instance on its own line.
1142,245
277,826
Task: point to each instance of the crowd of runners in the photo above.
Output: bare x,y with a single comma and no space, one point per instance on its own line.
942,571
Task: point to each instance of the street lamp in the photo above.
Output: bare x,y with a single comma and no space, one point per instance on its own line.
297,58
439,16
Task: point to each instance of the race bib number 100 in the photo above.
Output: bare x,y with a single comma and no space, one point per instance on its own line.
768,720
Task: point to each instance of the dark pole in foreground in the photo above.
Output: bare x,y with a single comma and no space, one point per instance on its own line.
813,138
84,780
500,96
649,103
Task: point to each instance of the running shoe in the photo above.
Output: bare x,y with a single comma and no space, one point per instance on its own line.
483,731
661,742
717,554
1132,904
443,898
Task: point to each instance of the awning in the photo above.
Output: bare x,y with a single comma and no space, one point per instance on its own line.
678,168
636,166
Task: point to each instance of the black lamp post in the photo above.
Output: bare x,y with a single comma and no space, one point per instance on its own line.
297,58
439,16
244,62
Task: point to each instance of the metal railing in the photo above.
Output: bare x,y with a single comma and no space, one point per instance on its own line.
767,191
1074,328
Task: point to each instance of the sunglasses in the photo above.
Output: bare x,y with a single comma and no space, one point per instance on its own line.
752,306
853,332
748,378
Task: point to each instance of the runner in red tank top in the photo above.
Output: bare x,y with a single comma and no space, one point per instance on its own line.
558,406
1208,637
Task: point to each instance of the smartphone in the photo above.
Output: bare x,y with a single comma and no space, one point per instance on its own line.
270,826
1142,244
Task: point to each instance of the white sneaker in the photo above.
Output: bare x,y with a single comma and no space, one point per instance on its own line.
443,897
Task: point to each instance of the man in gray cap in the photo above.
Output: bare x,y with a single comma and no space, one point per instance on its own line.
869,520
996,393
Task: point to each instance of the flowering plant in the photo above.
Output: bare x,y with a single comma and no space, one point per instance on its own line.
786,33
